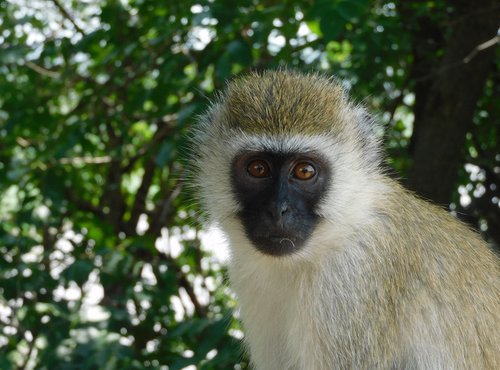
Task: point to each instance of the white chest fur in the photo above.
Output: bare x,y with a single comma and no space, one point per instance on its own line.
276,309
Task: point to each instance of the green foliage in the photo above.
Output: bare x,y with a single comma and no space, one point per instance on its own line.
96,100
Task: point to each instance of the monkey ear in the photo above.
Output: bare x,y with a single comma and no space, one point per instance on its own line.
370,135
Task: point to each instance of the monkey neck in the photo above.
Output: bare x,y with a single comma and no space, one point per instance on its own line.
286,307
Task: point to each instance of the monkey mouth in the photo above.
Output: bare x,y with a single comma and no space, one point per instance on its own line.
281,239
277,245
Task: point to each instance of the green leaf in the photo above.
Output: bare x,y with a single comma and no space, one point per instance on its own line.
78,271
165,154
211,337
349,10
186,114
240,52
332,27
14,54
223,67
5,363
315,28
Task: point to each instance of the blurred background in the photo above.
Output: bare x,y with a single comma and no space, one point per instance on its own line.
104,262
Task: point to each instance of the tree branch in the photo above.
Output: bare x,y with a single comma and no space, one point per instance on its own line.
184,283
83,204
31,346
165,128
42,71
86,160
485,45
396,102
141,195
467,59
162,211
68,16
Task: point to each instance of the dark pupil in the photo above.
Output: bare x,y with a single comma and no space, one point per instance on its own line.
259,168
306,169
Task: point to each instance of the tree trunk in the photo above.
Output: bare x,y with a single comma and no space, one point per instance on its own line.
446,116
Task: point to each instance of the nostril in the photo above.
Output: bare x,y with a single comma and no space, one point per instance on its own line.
283,208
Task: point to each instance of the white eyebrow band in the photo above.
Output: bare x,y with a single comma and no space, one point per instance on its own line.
287,144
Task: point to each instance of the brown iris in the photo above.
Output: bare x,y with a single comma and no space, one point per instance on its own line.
304,171
258,168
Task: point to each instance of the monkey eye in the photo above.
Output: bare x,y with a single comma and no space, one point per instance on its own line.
259,168
304,171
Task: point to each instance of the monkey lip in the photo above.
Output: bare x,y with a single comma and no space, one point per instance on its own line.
280,238
277,245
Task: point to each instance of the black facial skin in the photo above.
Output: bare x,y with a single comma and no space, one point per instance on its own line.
278,207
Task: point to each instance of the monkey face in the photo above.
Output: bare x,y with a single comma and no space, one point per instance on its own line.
264,157
279,193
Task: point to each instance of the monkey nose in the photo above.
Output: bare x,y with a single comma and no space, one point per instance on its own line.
277,211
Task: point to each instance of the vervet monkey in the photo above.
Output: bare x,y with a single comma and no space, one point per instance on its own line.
335,265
